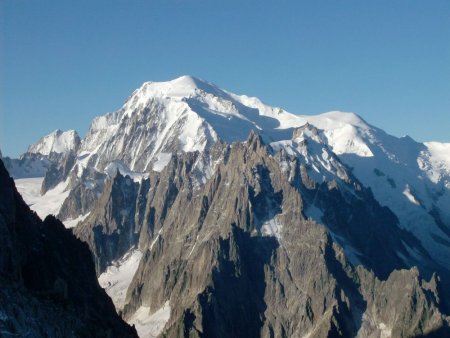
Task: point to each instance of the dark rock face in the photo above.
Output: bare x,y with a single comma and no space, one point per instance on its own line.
48,283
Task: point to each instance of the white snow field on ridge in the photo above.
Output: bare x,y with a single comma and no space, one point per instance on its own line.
48,204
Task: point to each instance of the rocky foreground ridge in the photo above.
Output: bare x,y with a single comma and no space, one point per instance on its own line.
48,286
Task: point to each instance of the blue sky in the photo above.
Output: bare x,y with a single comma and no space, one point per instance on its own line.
64,62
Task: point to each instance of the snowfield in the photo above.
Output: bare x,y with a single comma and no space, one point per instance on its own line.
117,277
48,204
150,325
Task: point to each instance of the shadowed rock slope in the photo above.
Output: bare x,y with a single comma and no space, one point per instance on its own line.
48,285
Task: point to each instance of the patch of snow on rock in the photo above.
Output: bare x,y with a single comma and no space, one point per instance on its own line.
117,165
117,277
150,326
272,227
72,223
410,196
162,159
436,161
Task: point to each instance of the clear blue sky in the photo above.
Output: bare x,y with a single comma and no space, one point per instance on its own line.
64,62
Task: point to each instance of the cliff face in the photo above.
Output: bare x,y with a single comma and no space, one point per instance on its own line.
247,254
48,282
111,231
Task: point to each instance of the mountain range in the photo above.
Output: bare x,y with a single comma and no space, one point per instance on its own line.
211,214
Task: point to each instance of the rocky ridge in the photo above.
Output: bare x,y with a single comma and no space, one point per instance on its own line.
48,285
240,256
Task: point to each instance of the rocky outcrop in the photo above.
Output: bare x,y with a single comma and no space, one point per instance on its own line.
48,284
131,214
239,256
109,230
58,171
84,193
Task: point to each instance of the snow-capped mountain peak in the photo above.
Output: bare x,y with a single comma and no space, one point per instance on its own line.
183,86
56,142
177,89
329,158
188,114
185,114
